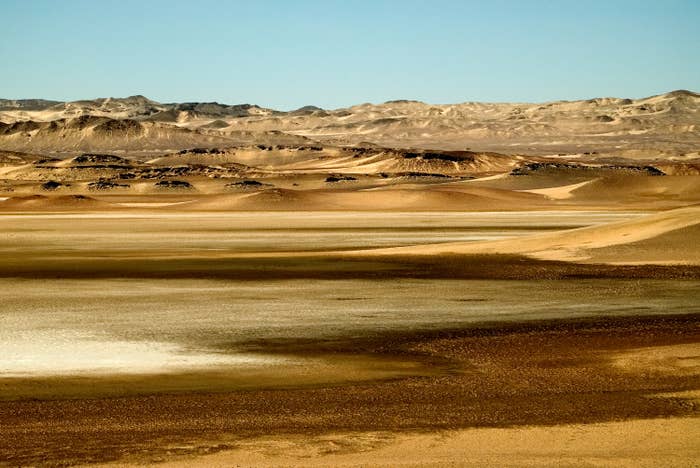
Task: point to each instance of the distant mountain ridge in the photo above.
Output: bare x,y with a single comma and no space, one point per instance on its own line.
665,124
133,107
147,105
26,104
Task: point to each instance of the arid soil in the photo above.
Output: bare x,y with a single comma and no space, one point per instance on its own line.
628,365
544,373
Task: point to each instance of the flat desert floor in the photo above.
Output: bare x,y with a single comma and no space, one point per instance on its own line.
315,338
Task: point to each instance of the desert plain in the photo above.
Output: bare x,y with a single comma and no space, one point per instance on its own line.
396,284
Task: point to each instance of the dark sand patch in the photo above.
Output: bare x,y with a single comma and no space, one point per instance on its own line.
327,266
543,373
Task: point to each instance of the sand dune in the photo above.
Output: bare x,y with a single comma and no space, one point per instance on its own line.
477,199
301,178
325,159
102,134
679,246
53,203
607,188
641,189
559,193
584,445
667,237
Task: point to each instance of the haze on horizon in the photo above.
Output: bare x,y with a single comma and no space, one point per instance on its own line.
286,55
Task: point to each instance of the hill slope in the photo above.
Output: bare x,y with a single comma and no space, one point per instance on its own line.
667,125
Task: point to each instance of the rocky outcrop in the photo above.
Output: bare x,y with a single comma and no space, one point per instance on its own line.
453,156
532,168
106,184
340,178
174,185
248,185
52,185
116,128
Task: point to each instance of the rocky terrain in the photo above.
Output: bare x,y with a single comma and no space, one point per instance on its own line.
262,176
604,152
362,157
663,126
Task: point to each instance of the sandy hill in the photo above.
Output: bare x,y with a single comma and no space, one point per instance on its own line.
26,104
341,160
668,237
606,125
132,107
103,134
53,203
603,153
666,125
345,177
14,158
403,199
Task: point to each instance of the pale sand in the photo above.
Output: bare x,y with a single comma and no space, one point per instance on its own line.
399,199
558,193
640,443
580,244
643,128
301,192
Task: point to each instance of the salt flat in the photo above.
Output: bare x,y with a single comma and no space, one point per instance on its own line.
169,326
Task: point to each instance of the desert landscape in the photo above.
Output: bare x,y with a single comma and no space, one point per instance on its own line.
396,284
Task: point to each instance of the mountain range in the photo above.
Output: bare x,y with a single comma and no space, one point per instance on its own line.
661,126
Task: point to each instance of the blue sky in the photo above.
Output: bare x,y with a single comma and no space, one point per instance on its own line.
333,53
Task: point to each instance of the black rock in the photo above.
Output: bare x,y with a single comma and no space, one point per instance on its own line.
51,185
176,184
334,179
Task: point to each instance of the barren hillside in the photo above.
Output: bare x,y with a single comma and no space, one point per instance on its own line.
664,126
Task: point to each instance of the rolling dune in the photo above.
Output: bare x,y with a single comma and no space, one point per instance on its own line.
667,237
401,199
54,203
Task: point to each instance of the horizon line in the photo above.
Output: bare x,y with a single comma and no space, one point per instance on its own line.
389,101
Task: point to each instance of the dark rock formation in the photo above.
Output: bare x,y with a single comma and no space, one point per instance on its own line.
51,185
125,127
534,167
422,174
202,151
105,184
98,158
173,184
453,156
248,185
340,178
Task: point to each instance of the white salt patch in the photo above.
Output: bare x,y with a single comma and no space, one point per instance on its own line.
48,353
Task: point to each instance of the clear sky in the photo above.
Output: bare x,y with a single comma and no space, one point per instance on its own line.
333,53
